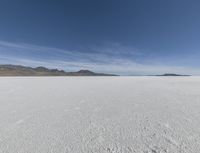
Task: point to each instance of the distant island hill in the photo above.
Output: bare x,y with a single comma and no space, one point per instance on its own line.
172,74
18,70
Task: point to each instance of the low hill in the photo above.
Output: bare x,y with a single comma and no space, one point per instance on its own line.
172,74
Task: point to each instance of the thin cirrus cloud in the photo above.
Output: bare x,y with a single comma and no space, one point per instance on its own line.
111,58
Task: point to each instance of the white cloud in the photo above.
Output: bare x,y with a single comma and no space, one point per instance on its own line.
108,59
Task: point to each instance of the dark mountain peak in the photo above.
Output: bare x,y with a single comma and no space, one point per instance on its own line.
41,68
85,71
90,73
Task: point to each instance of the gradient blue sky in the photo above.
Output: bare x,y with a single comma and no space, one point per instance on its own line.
134,37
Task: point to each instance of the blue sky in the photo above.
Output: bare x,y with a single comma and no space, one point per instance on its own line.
128,37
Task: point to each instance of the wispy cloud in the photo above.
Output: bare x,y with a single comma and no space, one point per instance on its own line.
111,58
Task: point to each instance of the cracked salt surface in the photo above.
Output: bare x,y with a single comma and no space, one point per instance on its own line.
100,115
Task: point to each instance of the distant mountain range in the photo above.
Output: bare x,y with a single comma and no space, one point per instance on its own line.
18,70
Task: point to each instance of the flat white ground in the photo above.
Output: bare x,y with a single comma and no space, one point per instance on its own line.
100,115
